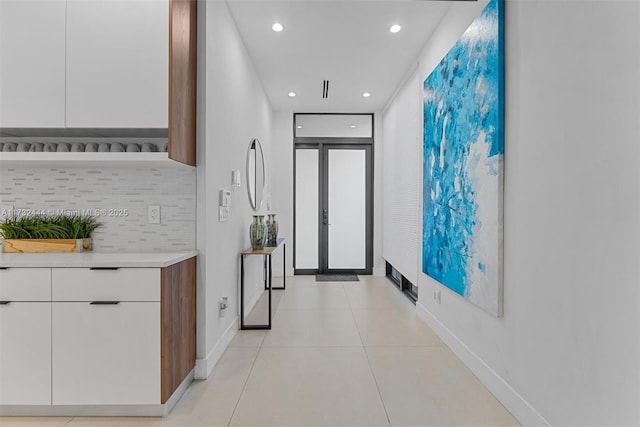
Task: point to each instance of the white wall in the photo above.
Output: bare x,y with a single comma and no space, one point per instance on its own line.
567,350
281,173
233,109
378,261
402,128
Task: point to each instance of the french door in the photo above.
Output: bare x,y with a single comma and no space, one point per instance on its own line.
333,206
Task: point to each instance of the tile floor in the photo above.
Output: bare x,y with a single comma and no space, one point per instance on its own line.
339,354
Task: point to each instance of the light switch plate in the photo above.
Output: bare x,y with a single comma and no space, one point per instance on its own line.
153,213
225,198
223,213
235,178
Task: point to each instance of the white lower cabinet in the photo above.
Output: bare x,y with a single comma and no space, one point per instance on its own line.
25,353
95,340
25,336
106,353
25,284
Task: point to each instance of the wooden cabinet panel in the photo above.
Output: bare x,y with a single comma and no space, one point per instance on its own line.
182,80
32,67
178,324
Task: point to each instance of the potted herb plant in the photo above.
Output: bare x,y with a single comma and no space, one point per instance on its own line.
56,233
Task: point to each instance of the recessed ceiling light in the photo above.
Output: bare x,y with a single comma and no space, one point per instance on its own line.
299,127
353,126
277,27
366,94
292,94
395,28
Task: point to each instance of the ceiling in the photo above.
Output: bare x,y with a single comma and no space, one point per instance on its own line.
345,42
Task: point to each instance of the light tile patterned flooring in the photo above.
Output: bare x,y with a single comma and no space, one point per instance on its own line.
339,354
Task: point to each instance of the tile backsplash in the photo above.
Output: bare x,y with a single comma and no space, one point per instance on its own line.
119,196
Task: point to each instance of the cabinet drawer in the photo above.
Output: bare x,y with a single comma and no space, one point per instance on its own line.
25,284
122,284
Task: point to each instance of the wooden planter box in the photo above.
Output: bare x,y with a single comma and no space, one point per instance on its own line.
46,245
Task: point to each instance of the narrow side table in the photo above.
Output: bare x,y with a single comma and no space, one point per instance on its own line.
266,256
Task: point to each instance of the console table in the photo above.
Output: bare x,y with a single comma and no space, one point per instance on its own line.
266,255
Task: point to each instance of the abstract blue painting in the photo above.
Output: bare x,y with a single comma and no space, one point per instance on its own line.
463,164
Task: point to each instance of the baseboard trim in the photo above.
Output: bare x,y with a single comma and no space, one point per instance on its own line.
205,366
82,410
516,404
99,410
178,393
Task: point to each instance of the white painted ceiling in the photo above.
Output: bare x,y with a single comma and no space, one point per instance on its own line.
345,42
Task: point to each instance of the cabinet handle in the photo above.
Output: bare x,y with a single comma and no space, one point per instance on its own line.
104,303
5,302
103,268
4,268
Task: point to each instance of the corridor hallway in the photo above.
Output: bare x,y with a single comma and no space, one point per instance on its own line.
339,354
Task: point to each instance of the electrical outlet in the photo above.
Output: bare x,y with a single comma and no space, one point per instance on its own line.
153,213
225,198
223,304
235,178
223,213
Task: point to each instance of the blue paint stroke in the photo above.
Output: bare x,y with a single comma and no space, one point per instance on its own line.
463,102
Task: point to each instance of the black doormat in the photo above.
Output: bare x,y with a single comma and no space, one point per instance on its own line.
337,278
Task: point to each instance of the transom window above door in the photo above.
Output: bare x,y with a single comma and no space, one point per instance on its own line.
333,126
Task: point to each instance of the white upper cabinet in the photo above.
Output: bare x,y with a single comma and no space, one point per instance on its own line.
32,63
117,63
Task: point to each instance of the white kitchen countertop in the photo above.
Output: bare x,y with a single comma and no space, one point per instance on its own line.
95,259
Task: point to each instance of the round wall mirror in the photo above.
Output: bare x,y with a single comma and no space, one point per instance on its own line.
255,174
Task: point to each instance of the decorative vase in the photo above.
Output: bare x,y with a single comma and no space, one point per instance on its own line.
258,233
272,227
